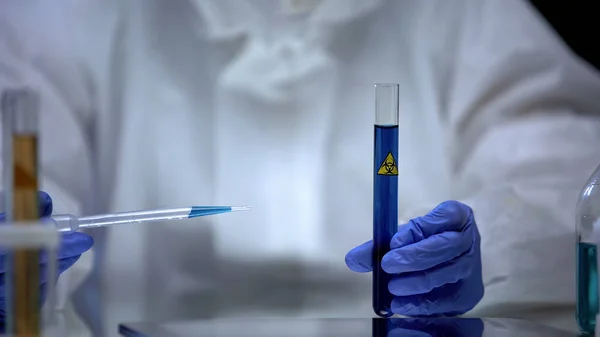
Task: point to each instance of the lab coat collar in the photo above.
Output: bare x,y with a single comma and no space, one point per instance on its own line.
230,19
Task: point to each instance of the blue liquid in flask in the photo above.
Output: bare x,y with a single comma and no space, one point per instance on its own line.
587,287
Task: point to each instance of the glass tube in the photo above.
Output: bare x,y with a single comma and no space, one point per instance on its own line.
587,225
21,107
7,104
385,190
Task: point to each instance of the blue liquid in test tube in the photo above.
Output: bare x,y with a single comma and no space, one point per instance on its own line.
385,190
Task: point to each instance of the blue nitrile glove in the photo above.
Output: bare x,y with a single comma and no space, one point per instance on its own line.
72,245
436,260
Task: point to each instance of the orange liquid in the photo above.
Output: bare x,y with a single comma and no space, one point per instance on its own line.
26,262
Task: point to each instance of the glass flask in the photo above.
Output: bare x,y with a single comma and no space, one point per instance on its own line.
588,218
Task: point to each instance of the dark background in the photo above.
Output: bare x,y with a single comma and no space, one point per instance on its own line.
576,21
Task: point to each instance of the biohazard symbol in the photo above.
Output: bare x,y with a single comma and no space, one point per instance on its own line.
388,167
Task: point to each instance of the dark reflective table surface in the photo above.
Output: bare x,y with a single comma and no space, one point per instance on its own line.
364,327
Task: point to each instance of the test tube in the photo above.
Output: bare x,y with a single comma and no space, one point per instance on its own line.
20,109
385,190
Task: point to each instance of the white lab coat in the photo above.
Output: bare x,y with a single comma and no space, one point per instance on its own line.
159,103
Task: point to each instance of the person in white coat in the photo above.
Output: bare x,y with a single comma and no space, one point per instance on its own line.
156,103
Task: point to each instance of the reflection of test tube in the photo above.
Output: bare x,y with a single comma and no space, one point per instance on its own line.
385,190
20,122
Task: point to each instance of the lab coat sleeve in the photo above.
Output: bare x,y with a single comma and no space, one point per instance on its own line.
35,51
524,128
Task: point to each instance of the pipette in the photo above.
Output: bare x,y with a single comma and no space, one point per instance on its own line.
71,223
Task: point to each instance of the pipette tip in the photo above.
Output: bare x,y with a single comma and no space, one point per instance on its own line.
240,208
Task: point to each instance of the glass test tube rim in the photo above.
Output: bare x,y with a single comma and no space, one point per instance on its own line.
24,103
387,104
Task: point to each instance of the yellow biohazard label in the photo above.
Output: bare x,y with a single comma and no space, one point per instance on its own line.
388,167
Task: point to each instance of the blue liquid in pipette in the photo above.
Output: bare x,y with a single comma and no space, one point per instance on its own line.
587,287
198,211
385,214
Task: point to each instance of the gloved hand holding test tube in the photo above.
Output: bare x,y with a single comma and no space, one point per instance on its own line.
71,223
429,266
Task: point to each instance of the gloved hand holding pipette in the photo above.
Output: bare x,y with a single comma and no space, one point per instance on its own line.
435,260
72,245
